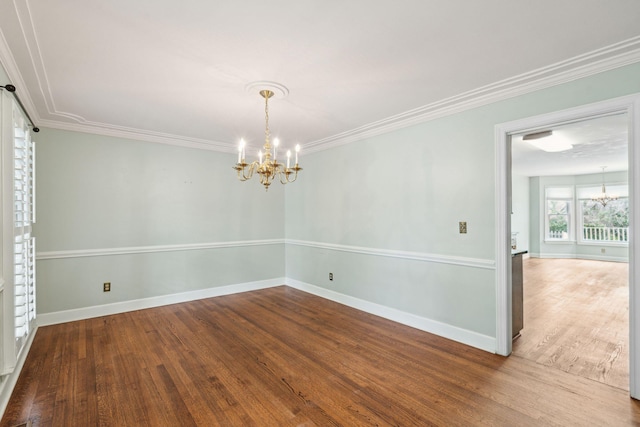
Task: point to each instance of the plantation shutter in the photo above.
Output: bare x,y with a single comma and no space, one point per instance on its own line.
24,242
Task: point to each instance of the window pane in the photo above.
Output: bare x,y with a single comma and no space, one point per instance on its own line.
558,227
606,223
558,207
615,214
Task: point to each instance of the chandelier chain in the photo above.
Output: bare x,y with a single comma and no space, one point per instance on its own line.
266,119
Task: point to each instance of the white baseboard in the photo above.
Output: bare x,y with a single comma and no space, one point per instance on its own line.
7,386
139,304
454,333
572,256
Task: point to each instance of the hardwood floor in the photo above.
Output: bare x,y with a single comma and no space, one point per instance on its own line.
281,357
576,317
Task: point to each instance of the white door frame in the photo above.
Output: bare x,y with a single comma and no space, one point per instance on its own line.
629,104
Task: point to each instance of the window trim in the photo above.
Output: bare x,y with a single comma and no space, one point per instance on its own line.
571,239
580,220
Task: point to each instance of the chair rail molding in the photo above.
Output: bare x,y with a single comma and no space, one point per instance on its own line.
79,253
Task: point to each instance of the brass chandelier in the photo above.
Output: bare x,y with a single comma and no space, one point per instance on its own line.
603,198
267,165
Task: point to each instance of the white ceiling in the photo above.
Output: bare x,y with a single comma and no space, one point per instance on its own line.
596,142
176,71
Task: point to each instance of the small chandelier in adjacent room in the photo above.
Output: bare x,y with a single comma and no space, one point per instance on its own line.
603,198
267,165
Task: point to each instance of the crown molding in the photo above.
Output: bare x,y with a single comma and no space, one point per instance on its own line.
141,135
611,57
9,64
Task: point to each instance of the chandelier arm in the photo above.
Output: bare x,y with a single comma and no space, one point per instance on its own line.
283,172
242,168
287,172
239,168
252,168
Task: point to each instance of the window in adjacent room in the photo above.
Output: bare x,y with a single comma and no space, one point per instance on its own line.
559,213
604,224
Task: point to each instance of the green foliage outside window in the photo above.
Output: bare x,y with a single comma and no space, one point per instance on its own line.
615,214
606,223
558,214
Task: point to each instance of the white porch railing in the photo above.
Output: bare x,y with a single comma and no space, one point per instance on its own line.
557,234
606,234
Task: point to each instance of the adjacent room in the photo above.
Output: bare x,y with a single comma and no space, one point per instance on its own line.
573,227
306,213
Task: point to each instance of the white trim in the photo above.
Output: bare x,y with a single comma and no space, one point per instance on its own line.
158,301
597,61
560,242
454,333
79,253
579,256
607,243
503,244
140,135
634,247
614,56
6,387
629,104
488,264
8,61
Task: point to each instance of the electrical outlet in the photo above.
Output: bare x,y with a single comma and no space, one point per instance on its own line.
331,276
602,250
463,227
106,287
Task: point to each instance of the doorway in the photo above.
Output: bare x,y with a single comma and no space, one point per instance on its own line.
575,235
629,105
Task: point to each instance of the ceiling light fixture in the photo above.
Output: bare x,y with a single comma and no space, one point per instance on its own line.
537,135
603,198
547,141
268,167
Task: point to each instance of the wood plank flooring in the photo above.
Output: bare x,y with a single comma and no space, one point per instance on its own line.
576,317
282,357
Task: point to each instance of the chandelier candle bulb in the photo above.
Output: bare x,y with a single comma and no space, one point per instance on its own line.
297,151
260,156
241,151
276,142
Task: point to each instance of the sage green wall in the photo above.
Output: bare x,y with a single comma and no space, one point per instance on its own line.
98,192
572,249
407,190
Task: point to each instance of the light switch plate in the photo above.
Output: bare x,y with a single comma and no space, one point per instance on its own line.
463,227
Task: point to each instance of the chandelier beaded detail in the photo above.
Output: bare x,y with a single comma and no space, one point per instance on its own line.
267,165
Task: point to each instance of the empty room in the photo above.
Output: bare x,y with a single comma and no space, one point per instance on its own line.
571,225
313,213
